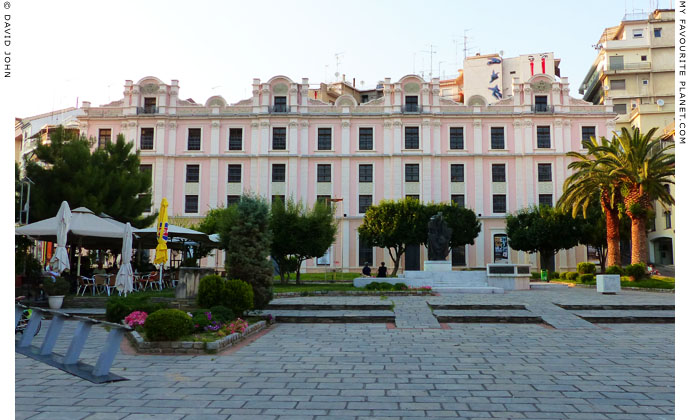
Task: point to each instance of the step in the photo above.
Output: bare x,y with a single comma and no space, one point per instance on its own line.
547,286
474,290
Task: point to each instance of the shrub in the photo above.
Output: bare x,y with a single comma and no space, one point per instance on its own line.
564,275
536,275
637,271
238,295
59,287
614,269
400,286
586,268
200,319
554,275
587,278
210,291
168,325
119,307
374,285
385,286
222,313
571,275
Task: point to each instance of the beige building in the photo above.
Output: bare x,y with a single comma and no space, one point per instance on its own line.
634,68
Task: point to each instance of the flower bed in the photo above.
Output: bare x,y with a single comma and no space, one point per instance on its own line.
414,292
194,347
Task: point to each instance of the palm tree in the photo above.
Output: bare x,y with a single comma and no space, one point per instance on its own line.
590,182
644,166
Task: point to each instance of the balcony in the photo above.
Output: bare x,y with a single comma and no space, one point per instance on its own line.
279,109
542,109
147,110
411,108
628,67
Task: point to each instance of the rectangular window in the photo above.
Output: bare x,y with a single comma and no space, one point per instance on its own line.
544,172
411,104
618,84
278,172
541,103
366,253
191,204
638,33
412,138
364,203
620,108
366,173
667,216
150,106
323,173
412,172
457,138
235,139
365,99
588,132
499,203
546,200
149,170
616,62
543,137
234,173
645,82
498,172
194,139
324,141
146,138
280,104
657,32
324,199
366,138
458,256
458,199
232,199
497,138
643,58
279,138
412,196
278,199
457,173
192,175
103,137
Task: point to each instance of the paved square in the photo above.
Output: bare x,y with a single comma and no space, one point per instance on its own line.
366,371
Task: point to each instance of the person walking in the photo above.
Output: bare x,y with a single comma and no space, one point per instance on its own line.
383,271
366,271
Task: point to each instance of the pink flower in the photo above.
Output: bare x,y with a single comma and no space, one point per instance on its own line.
136,318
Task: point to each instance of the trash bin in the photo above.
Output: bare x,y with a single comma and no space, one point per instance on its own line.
545,275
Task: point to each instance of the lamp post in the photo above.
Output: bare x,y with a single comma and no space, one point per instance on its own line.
342,234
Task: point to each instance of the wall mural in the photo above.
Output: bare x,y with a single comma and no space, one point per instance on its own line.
495,90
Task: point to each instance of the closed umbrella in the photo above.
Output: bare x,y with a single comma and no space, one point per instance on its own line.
60,261
162,233
124,281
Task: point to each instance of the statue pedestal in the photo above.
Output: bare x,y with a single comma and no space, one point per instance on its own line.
438,266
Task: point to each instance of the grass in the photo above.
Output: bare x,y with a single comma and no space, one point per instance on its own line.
279,288
655,282
321,277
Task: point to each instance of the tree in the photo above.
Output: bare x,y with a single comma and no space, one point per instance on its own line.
103,180
246,238
644,166
592,182
542,229
315,228
393,225
463,221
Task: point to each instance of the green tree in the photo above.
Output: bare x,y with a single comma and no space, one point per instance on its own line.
644,166
393,225
103,180
544,230
463,221
593,184
246,237
316,229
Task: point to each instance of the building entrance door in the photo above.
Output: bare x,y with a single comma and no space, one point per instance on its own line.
412,257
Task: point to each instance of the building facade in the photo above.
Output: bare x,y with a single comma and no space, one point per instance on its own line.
412,142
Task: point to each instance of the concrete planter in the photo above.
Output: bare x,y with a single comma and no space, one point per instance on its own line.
55,302
193,347
608,283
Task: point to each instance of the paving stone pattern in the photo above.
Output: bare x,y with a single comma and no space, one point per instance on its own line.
368,371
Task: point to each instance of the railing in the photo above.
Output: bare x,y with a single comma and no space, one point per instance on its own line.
542,109
280,108
411,108
147,110
629,66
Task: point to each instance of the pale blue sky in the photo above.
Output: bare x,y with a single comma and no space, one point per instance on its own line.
88,49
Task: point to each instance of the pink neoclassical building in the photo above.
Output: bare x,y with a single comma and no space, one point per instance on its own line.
503,151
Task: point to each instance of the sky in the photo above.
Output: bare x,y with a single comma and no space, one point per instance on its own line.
67,52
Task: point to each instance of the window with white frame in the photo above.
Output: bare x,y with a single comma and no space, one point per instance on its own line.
279,138
192,174
498,138
457,138
366,138
323,173
457,172
235,139
412,138
194,139
324,139
366,173
234,173
412,172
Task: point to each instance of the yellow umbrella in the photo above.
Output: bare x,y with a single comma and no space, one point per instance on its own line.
162,230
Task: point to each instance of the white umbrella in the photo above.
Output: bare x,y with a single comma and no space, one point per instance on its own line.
124,282
60,260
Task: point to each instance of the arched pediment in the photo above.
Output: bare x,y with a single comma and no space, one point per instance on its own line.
216,101
346,100
150,80
476,100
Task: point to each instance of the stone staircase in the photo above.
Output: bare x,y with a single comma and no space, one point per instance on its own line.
454,281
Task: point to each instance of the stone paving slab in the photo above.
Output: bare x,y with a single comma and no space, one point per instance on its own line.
514,316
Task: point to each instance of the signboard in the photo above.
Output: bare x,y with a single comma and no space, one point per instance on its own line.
500,247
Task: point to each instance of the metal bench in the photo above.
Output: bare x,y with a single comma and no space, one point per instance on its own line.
69,362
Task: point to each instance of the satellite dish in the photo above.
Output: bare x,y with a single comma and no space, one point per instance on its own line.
337,74
660,102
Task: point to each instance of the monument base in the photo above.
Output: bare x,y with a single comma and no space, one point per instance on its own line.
438,266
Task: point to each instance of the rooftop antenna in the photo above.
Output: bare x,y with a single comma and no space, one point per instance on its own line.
337,63
466,48
431,60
